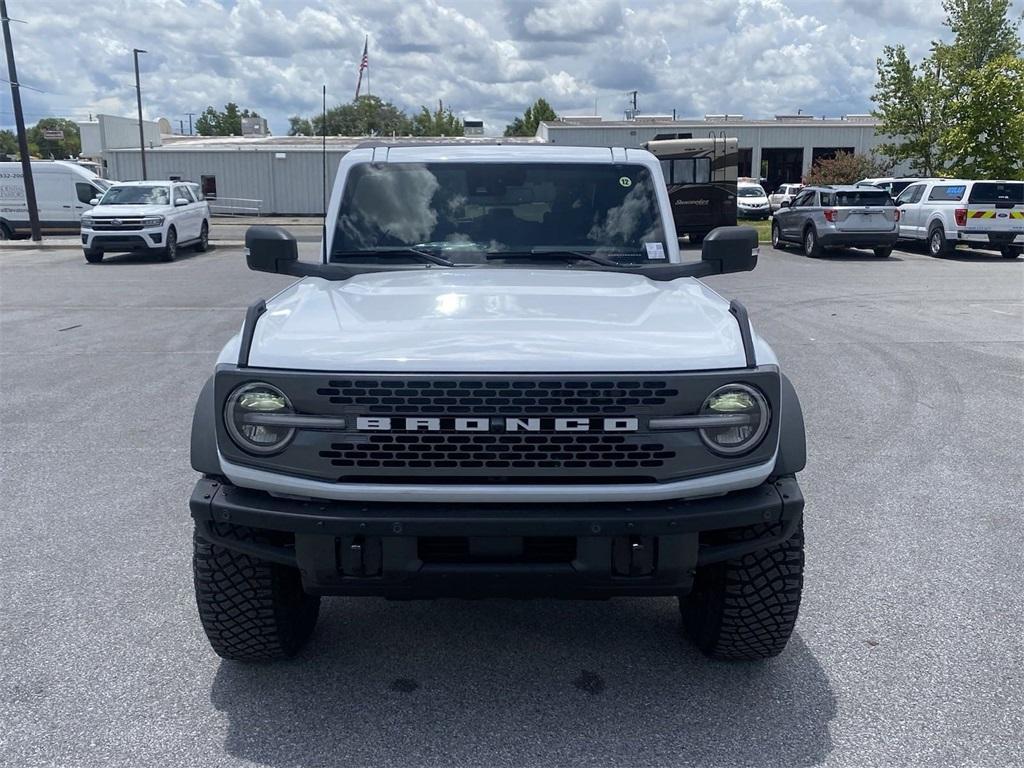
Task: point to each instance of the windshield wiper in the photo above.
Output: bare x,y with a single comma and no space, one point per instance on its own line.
553,251
399,250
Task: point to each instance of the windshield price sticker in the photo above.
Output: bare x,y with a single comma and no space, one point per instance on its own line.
655,251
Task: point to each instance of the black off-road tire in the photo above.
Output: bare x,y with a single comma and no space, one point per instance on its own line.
1011,251
170,250
812,247
937,243
251,609
5,232
204,238
777,242
746,608
92,255
883,253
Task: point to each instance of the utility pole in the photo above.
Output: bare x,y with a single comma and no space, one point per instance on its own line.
19,120
181,127
190,114
138,96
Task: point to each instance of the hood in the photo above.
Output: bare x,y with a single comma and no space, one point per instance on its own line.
125,211
497,320
749,201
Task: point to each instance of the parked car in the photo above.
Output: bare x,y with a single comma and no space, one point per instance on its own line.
751,201
949,212
838,216
156,217
500,378
785,193
890,185
64,191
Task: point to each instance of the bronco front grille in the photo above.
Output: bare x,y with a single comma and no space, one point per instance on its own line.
536,397
498,451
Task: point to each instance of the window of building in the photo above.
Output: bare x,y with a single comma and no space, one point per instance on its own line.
209,185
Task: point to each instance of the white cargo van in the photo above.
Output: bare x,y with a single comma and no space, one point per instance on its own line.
63,193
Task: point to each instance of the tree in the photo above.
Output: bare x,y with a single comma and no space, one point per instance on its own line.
57,149
8,143
226,123
845,168
526,125
299,126
943,112
985,137
909,109
442,122
366,116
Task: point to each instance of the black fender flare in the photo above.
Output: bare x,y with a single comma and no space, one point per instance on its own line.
792,438
204,433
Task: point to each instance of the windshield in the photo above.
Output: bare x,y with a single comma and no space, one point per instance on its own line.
749,192
136,195
473,208
862,197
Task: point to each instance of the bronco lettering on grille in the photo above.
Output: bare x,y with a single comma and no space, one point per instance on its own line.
484,424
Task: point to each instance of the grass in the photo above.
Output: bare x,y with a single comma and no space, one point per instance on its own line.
764,229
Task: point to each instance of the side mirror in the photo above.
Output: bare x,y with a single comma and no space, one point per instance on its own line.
784,204
270,249
180,202
94,201
730,249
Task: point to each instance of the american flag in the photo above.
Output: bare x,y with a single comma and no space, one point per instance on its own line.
364,64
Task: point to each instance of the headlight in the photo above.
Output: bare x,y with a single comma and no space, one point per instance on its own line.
87,221
152,221
249,416
740,436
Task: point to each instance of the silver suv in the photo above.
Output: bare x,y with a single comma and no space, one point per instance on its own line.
838,216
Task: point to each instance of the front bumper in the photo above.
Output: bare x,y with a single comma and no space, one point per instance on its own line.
753,213
858,239
433,550
110,241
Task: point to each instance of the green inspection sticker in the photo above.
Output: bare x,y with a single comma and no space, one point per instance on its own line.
625,181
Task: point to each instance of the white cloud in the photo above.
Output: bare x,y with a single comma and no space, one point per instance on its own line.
487,60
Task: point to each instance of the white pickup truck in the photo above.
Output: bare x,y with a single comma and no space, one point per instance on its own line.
500,378
150,216
945,213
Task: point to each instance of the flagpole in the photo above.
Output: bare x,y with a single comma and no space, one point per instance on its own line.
366,48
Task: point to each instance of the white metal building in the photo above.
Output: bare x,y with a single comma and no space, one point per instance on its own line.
779,150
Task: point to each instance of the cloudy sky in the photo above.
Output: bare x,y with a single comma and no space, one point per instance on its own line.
488,59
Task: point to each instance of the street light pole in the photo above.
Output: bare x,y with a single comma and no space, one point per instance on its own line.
138,96
19,120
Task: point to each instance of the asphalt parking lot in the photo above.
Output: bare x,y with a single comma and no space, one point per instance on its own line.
908,651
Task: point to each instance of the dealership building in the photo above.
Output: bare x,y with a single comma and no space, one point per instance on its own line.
284,174
779,150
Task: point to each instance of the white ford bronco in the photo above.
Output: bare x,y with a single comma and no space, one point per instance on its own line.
501,378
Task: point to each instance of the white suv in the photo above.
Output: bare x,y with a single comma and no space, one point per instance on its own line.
947,212
152,216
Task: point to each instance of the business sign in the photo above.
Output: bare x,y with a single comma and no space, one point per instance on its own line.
53,135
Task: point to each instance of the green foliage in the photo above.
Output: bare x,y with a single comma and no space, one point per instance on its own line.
8,143
69,146
299,126
226,123
985,136
441,122
534,115
909,107
846,168
959,111
366,116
